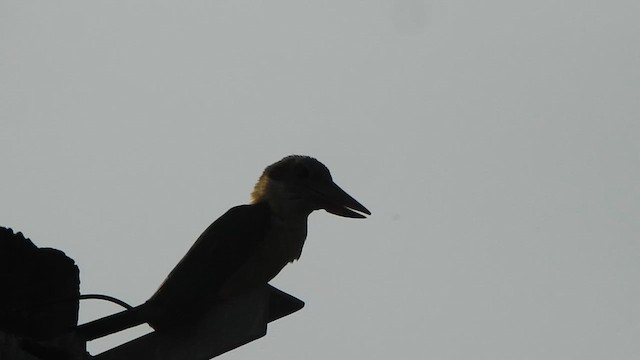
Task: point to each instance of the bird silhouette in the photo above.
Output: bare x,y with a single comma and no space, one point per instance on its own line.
243,249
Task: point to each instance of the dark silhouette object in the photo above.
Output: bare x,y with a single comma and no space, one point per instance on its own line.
223,327
242,250
39,289
35,319
216,299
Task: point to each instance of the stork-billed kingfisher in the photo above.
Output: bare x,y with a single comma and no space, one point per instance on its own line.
243,249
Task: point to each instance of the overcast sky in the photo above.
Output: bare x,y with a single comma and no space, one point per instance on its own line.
495,142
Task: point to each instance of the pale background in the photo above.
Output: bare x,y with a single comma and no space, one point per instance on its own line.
495,142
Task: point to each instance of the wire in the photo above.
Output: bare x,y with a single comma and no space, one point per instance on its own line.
107,298
33,306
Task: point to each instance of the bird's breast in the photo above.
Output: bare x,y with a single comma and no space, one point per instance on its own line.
281,245
285,240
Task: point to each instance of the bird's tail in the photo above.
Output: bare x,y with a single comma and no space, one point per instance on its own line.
114,323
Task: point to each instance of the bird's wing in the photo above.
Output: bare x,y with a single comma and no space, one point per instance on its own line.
221,249
217,254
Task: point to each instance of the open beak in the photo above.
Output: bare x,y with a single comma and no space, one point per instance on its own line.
338,202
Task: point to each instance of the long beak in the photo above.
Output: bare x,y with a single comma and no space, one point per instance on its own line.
338,202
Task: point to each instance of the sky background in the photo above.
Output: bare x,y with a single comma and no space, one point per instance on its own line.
495,142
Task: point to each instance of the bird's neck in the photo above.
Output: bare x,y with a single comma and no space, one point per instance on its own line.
286,236
289,216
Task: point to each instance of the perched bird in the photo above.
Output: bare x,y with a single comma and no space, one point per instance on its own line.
243,249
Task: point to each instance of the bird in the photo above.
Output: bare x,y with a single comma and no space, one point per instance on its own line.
241,250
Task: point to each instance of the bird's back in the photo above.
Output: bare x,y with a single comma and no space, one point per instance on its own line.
224,247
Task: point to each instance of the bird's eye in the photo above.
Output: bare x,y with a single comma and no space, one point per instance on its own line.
302,172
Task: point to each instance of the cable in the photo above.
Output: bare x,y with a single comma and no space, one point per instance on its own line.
107,298
81,297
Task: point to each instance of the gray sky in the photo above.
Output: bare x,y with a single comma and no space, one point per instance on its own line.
495,142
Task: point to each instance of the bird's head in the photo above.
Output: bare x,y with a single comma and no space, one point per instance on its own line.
300,184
